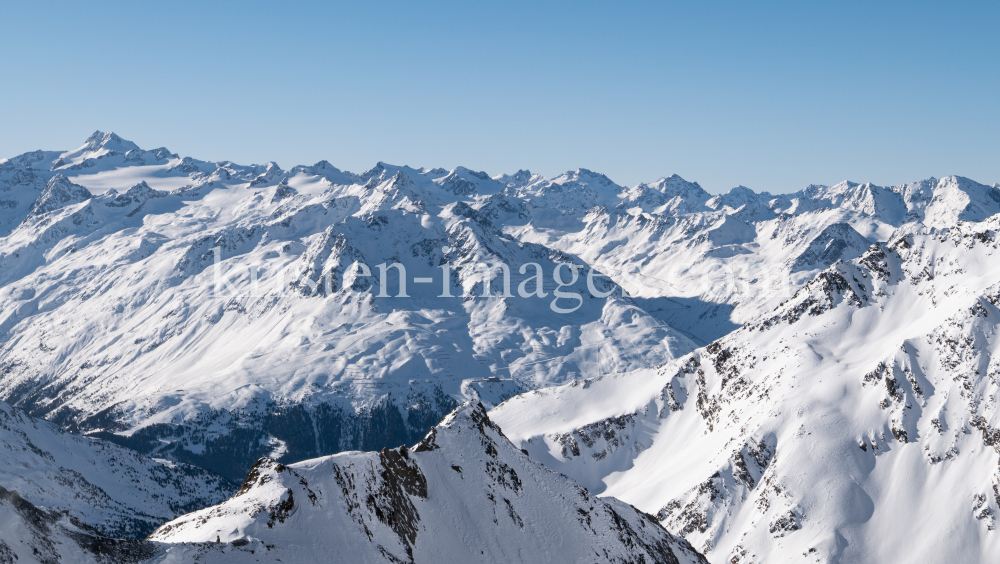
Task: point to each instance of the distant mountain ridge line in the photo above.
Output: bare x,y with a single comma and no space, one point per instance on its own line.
98,144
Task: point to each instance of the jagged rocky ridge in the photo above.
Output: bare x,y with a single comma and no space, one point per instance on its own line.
463,494
832,428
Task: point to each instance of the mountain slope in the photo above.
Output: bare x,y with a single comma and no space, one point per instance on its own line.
114,490
830,428
33,535
463,494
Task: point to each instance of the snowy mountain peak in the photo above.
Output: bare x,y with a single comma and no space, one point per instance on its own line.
739,195
747,204
465,182
139,193
326,170
462,171
58,193
674,185
517,180
271,174
470,417
376,172
109,141
588,178
99,145
672,195
465,488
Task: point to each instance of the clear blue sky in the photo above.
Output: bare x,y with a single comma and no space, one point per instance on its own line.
769,94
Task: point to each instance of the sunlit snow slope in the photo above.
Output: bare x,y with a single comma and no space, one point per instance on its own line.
856,422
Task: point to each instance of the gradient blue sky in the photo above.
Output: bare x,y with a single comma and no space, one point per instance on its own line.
773,95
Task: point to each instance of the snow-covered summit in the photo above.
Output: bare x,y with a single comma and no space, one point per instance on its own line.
98,145
672,195
463,494
107,141
517,180
58,193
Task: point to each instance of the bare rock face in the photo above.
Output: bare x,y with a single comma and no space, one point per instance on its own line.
463,494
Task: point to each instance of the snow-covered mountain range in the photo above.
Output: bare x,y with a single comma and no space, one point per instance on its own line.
114,323
774,377
856,422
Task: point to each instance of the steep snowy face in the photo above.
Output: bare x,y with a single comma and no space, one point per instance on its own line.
38,535
832,426
517,180
112,489
960,199
463,494
832,244
58,193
